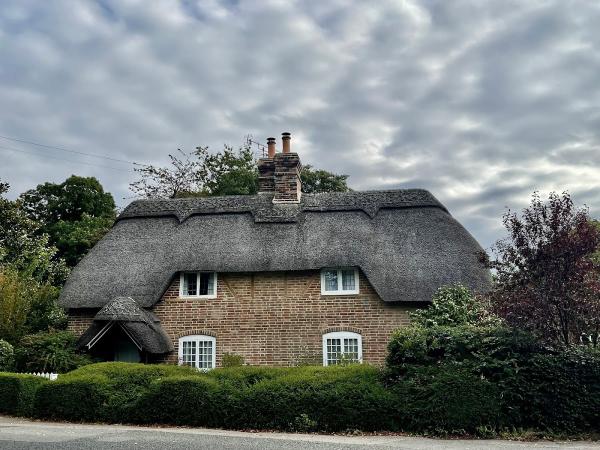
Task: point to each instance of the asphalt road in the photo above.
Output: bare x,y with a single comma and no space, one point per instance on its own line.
25,434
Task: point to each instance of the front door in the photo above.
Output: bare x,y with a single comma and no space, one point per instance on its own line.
126,351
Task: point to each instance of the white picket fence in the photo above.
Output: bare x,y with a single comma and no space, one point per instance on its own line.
49,376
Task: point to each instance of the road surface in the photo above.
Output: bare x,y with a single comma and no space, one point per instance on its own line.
27,434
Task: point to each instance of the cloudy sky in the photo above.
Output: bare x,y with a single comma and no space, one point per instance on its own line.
481,102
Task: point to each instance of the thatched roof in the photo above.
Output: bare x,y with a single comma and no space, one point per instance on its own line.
404,241
143,326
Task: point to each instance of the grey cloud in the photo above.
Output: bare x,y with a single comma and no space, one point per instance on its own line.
480,102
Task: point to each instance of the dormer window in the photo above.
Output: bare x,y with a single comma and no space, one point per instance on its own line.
198,284
339,281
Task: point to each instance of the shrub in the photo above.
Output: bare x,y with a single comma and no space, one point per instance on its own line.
49,352
447,400
123,384
490,351
558,392
328,399
246,375
17,393
455,305
191,400
7,356
76,398
232,360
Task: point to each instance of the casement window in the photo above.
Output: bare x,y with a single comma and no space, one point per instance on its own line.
198,284
198,351
340,347
339,281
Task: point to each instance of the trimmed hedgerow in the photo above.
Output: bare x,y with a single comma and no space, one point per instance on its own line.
191,400
104,391
530,386
301,399
76,398
558,392
17,393
447,400
329,400
495,351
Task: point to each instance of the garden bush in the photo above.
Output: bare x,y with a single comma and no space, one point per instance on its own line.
494,352
191,400
447,400
76,398
298,399
7,356
17,393
121,386
49,352
557,391
326,399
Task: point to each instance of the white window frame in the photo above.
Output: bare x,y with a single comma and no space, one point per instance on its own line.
340,289
182,283
198,338
341,335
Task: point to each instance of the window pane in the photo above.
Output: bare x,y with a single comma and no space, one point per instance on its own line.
189,353
207,284
205,354
334,351
331,280
190,284
351,349
348,281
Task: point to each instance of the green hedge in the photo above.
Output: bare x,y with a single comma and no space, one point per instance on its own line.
495,351
559,392
462,392
491,378
102,392
17,393
82,398
447,400
302,399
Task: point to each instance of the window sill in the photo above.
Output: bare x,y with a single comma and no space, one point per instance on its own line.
339,293
197,297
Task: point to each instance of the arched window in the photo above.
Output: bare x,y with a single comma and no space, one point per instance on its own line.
341,346
198,351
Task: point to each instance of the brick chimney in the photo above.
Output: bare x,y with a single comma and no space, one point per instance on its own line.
266,169
288,187
280,172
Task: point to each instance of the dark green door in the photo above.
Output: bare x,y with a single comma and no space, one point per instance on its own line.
126,351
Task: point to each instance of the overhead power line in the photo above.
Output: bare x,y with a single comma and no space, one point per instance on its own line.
62,159
62,149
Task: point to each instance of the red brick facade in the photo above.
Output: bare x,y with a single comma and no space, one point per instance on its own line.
275,318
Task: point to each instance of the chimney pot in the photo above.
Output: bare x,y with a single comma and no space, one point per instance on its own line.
271,147
285,139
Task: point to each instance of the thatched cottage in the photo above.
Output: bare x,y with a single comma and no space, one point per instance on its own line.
278,278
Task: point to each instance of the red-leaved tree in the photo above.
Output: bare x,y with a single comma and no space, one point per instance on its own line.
547,279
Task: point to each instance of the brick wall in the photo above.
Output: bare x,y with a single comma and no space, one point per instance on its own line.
275,318
80,320
279,318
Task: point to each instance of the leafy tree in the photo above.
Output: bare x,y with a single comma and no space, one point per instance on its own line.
547,280
318,180
29,272
27,305
24,247
185,178
74,214
228,172
453,306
